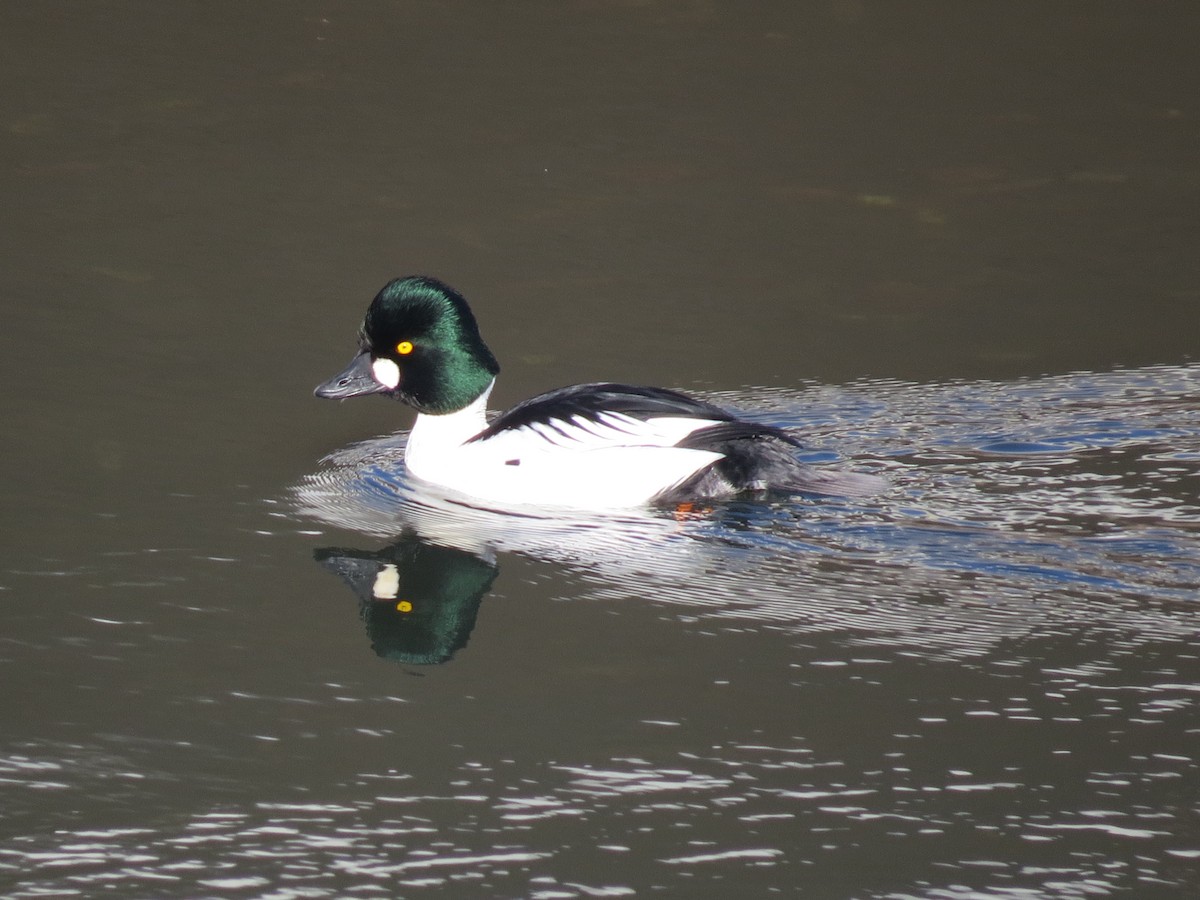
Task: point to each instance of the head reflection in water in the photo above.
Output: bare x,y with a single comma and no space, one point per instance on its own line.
418,600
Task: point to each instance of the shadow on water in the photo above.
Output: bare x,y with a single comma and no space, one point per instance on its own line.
1014,510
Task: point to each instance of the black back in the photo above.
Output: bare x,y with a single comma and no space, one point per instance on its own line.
589,401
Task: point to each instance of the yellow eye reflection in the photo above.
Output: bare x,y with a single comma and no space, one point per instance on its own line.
404,348
404,606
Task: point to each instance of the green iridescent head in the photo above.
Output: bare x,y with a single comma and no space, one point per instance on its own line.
419,343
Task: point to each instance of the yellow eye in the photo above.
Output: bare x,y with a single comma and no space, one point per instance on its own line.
404,348
404,606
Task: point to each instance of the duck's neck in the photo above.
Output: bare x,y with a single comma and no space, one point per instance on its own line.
432,435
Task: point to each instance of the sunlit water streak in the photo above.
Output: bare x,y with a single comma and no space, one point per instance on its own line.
511,830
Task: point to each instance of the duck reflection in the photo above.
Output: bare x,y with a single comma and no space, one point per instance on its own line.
418,600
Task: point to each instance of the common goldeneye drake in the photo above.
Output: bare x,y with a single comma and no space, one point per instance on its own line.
585,446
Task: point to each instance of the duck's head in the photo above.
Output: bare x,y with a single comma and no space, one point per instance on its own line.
418,343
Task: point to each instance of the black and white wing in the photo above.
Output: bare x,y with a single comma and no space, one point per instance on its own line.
735,455
607,414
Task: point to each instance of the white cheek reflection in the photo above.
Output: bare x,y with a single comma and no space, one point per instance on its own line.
386,372
387,583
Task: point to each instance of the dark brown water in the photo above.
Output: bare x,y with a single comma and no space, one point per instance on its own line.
954,243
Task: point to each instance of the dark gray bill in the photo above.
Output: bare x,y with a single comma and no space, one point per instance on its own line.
353,381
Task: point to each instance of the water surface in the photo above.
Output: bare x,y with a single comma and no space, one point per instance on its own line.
951,245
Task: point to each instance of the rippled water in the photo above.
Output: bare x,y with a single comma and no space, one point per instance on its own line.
982,682
231,670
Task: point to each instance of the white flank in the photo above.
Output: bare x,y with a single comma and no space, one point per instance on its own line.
614,462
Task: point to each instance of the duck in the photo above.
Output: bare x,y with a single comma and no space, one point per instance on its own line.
586,446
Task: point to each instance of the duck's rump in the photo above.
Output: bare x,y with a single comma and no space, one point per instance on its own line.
759,458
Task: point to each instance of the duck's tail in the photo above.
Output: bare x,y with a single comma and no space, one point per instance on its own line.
756,457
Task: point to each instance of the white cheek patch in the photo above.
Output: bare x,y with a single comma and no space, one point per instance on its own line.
386,373
387,582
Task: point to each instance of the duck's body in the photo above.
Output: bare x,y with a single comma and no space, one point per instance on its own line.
599,446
